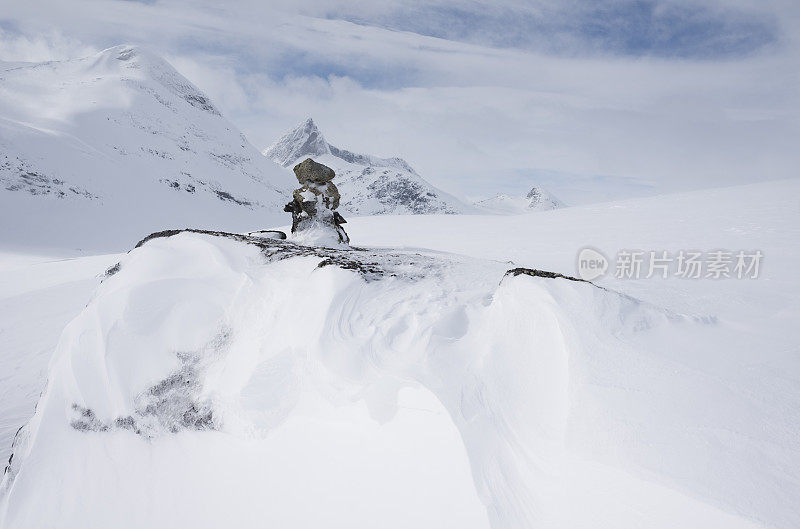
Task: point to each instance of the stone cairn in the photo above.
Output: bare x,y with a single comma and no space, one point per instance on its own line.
314,204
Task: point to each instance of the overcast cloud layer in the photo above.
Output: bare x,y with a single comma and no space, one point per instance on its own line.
594,99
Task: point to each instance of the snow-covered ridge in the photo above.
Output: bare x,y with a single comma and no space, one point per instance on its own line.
537,199
97,142
369,185
205,363
369,160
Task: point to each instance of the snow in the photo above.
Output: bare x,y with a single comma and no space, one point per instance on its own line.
96,153
318,234
369,185
190,283
39,295
268,383
537,199
737,377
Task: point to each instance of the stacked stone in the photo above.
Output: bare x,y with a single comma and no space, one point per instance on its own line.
316,200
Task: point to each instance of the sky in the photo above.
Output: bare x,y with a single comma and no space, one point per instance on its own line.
595,100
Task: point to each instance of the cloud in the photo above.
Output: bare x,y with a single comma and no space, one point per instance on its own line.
51,45
470,112
630,27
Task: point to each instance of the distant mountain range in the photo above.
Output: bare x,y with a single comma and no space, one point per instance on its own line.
100,151
537,199
369,185
97,152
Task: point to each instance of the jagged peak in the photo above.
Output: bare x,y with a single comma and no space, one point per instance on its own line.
540,197
305,139
536,191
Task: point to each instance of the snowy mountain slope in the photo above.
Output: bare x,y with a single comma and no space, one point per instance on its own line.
369,185
95,152
537,199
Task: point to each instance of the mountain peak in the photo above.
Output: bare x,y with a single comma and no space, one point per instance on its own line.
370,185
141,63
305,139
157,133
541,199
537,199
130,53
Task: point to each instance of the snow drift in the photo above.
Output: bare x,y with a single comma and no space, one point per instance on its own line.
224,380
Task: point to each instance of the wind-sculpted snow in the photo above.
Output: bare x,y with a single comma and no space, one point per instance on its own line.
220,380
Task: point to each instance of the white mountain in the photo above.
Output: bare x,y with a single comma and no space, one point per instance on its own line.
537,199
369,185
98,152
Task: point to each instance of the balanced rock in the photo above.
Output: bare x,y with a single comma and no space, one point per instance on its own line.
313,204
309,171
